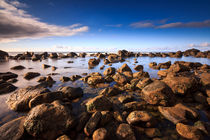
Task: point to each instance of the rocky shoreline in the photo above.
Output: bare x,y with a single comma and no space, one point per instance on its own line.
131,105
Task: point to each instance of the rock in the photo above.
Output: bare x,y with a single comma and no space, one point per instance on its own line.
200,98
99,103
154,65
12,130
7,75
175,68
48,121
143,83
70,61
157,93
93,62
112,58
45,98
92,123
162,73
139,68
128,75
3,55
45,66
181,85
102,67
178,113
137,117
41,79
53,55
125,132
124,68
72,54
71,92
152,132
93,80
6,87
64,79
31,75
109,71
106,117
54,68
82,54
75,77
63,137
165,65
82,120
19,100
120,78
140,75
100,55
204,79
188,132
123,53
19,67
134,105
125,98
100,134
109,91
14,80
203,126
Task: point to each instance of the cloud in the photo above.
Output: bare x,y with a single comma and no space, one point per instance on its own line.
204,44
114,25
17,24
162,24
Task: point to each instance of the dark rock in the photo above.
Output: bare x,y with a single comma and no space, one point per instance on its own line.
125,98
143,83
137,117
109,91
6,87
93,62
95,79
82,55
75,77
12,130
152,132
175,68
44,66
72,54
71,92
31,75
70,61
82,120
41,79
53,55
98,103
165,65
124,68
7,75
91,125
54,68
100,134
19,100
120,78
63,137
138,68
64,79
19,67
3,55
125,132
48,121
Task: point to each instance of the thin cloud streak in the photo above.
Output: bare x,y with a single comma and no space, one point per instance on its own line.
17,24
204,44
115,25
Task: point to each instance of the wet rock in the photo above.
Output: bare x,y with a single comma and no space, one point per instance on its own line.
12,130
152,132
98,103
82,120
48,121
3,55
140,75
138,68
63,137
120,78
7,75
35,57
100,134
157,93
41,79
45,66
109,91
143,83
31,75
109,71
19,67
45,98
125,132
165,65
188,132
93,80
64,79
125,98
128,75
102,67
14,80
112,58
178,113
137,117
72,54
162,73
124,68
6,87
53,55
71,92
19,100
154,65
92,123
54,68
175,68
204,79
181,85
203,126
75,77
100,55
61,55
93,62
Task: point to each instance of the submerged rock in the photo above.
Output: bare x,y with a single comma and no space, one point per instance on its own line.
19,67
7,75
19,100
48,121
31,75
44,66
6,87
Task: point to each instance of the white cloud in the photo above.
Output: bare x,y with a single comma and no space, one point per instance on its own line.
142,24
17,24
204,44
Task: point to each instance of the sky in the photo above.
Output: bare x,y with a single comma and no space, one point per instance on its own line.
104,25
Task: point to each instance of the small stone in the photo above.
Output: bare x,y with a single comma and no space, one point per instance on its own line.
19,67
44,66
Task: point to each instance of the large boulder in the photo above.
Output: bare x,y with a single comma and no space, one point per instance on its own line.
124,68
175,68
120,78
48,121
71,92
178,113
7,75
19,100
53,55
3,55
182,85
31,75
12,130
157,93
99,103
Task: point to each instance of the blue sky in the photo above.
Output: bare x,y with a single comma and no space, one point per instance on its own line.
104,25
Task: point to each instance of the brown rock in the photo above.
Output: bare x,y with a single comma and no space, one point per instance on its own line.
100,134
139,68
31,75
6,87
7,75
93,62
120,78
137,117
109,91
109,71
124,68
143,83
71,92
125,132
